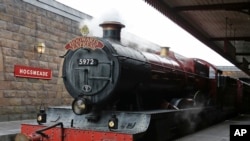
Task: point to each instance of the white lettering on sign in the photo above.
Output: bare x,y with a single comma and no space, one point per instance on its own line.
33,72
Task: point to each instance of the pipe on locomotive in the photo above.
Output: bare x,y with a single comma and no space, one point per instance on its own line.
112,30
164,51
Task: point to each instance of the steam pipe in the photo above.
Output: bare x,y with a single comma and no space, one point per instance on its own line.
112,30
50,127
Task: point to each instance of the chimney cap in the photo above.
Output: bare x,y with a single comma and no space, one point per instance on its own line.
111,24
112,30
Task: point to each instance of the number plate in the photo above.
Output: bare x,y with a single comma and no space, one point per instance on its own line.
87,62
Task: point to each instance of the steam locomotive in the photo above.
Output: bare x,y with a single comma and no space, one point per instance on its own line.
121,93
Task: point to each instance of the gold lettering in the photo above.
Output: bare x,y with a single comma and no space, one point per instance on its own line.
84,42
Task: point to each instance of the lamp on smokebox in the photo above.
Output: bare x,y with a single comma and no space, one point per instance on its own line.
113,122
40,48
41,116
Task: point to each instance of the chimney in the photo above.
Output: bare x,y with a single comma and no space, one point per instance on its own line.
164,51
112,30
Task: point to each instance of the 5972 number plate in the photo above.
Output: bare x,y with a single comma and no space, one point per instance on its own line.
87,62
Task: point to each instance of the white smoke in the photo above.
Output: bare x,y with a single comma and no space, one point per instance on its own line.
131,40
127,38
93,24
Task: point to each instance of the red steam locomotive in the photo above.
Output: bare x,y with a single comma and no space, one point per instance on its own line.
122,94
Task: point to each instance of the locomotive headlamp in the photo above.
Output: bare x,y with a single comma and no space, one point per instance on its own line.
113,122
41,116
80,106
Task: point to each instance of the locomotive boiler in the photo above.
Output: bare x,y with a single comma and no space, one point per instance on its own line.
101,73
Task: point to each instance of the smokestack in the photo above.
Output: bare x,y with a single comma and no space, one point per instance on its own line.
112,30
164,51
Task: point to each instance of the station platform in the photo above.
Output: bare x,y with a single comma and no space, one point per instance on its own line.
218,132
9,129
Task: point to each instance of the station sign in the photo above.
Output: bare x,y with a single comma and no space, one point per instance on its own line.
32,72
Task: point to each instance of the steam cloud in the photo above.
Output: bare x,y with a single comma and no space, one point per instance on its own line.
127,39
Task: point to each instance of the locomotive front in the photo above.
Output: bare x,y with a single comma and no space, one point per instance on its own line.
93,70
90,72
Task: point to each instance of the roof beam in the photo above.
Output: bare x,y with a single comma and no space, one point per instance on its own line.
172,13
242,53
230,38
226,6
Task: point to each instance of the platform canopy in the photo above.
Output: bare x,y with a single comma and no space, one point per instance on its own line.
223,25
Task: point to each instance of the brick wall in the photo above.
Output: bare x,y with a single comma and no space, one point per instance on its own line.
22,25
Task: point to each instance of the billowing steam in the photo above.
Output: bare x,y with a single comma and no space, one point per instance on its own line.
131,40
127,39
93,24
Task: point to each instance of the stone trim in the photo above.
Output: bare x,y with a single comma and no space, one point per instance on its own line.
1,60
60,9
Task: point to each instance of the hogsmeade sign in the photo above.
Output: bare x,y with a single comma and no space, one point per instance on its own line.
32,72
79,42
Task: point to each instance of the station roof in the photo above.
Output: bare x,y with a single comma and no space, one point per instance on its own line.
222,25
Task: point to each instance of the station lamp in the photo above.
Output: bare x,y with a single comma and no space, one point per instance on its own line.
40,48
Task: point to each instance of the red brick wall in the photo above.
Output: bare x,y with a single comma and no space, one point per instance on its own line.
21,26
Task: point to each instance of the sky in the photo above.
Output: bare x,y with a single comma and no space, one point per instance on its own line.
146,22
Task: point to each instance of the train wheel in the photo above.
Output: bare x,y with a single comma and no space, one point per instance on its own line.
183,103
199,99
210,102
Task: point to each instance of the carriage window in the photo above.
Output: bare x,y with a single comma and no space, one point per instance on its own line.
212,72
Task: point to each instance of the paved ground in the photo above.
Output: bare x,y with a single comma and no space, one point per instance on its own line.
9,129
218,132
